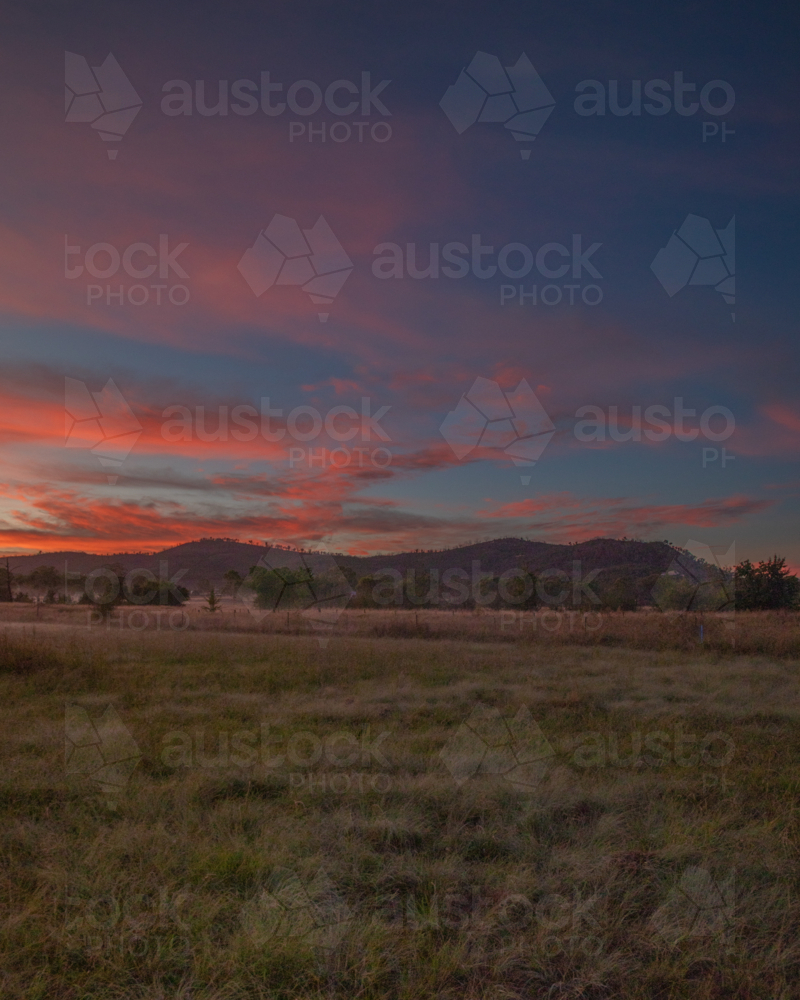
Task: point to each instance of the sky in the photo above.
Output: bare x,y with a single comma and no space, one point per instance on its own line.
318,273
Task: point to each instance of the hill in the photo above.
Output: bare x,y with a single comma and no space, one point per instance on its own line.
201,563
622,557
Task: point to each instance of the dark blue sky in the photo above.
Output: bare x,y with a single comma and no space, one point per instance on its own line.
417,345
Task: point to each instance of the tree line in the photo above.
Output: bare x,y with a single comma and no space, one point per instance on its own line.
768,585
107,587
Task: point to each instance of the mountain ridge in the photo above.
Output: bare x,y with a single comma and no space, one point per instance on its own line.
206,560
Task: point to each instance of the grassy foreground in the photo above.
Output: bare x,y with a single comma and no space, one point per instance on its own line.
221,815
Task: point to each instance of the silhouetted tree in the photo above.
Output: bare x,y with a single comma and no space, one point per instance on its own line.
233,580
6,579
44,578
768,586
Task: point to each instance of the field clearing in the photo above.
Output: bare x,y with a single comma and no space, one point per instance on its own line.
250,814
772,633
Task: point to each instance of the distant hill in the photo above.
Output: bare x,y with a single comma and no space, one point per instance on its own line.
608,554
206,561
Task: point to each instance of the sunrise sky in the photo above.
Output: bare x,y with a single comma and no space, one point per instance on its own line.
414,344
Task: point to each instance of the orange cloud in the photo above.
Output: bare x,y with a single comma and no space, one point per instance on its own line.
784,416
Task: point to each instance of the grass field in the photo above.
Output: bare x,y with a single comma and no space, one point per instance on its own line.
771,633
409,810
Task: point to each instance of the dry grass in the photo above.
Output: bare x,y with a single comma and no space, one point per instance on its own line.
770,633
623,861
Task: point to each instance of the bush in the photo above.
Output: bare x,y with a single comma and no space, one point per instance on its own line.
769,586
